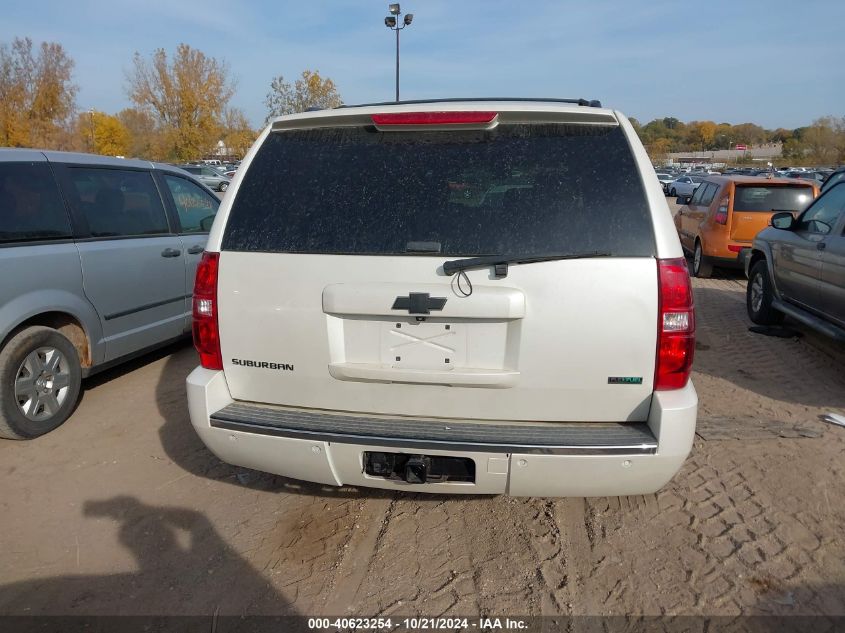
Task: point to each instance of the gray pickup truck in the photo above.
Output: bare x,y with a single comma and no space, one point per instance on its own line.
97,260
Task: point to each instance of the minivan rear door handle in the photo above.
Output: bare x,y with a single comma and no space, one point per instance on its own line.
171,252
196,250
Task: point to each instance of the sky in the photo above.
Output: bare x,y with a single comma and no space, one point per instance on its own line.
777,63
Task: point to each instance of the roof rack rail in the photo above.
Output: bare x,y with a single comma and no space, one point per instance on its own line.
592,103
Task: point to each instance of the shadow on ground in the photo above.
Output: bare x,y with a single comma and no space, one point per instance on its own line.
183,567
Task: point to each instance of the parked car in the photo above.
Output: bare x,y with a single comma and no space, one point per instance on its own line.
94,256
719,221
665,180
209,176
347,338
684,186
806,175
797,267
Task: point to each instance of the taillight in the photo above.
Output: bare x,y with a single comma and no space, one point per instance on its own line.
675,325
206,333
434,118
722,212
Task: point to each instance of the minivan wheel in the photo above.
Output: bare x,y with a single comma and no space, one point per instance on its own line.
40,381
673,193
758,296
700,266
223,186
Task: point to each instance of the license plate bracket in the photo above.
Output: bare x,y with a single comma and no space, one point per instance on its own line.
412,344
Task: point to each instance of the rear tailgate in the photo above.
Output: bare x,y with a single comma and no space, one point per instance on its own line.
541,344
334,249
754,205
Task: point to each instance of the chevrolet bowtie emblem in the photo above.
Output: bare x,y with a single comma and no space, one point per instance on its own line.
419,303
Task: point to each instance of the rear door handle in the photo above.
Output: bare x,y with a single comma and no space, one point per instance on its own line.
171,252
820,246
196,250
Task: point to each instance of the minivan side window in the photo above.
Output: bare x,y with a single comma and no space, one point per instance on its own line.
195,206
118,202
31,207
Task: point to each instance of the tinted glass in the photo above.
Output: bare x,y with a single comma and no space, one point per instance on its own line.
697,178
696,195
117,202
772,198
517,189
709,193
195,206
833,179
824,214
31,207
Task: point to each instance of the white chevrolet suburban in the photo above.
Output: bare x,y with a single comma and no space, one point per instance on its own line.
455,296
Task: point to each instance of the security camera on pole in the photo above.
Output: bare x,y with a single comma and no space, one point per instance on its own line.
392,22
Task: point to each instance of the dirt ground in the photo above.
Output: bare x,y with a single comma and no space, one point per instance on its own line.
123,511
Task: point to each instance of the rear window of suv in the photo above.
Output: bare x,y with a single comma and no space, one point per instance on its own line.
772,198
516,190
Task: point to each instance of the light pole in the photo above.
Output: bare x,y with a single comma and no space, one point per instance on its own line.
93,143
392,22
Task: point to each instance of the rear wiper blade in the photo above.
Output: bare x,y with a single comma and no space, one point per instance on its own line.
501,261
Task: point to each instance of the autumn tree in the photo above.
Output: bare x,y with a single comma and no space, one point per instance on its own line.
310,90
824,140
37,95
111,138
700,134
238,135
145,139
188,97
659,149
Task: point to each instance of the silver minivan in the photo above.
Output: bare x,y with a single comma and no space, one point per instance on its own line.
97,260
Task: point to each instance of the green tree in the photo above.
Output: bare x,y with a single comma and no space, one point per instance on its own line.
37,95
188,98
310,90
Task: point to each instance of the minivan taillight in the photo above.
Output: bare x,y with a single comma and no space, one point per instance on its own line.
206,334
675,325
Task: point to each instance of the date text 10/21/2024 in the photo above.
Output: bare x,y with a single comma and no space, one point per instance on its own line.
416,624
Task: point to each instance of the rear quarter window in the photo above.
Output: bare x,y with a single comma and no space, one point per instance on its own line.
31,208
515,190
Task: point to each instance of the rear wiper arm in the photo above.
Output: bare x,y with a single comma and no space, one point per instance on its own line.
500,262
